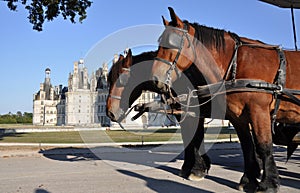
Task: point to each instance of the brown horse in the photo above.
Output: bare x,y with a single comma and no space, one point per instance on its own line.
268,75
122,94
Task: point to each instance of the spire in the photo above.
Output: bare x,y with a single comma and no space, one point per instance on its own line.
47,76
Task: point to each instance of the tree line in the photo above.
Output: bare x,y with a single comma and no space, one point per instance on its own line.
18,118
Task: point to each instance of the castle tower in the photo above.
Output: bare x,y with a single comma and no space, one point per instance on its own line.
44,103
105,70
47,74
47,84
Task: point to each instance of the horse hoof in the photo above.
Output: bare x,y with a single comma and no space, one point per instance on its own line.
194,177
247,187
184,174
241,188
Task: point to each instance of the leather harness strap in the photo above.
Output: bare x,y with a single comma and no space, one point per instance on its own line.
281,79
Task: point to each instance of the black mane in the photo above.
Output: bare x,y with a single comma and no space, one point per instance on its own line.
143,57
116,68
209,36
114,71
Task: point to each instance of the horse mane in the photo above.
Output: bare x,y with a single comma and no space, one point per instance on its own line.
150,55
116,68
209,36
113,74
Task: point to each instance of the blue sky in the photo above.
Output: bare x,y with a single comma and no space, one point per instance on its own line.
25,53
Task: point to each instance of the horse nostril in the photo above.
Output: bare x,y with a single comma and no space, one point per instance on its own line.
158,84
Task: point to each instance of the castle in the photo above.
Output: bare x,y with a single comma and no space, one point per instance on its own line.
83,102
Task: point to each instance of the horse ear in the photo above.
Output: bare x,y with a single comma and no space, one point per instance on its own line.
165,22
121,57
128,59
176,22
129,52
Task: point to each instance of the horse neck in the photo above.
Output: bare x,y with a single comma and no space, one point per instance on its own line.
214,62
140,79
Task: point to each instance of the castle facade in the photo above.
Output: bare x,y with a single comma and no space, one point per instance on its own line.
83,101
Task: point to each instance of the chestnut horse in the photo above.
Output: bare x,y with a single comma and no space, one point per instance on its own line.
269,74
127,81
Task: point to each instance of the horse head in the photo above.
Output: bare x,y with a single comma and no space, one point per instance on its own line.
117,80
128,78
176,52
183,44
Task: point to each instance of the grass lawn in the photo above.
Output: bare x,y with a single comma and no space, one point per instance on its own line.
147,135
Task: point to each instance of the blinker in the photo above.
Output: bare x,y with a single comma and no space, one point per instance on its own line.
172,41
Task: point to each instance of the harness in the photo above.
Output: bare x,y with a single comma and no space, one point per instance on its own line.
233,85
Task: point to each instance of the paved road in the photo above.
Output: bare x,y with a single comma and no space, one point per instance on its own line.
129,169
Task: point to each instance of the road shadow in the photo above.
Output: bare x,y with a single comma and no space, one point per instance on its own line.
41,191
226,158
232,159
162,185
147,155
9,133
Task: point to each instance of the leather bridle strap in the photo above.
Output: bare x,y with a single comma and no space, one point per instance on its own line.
115,97
173,65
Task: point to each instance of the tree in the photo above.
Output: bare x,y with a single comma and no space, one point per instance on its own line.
41,10
10,118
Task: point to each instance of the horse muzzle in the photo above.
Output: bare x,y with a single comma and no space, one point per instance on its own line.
162,87
117,116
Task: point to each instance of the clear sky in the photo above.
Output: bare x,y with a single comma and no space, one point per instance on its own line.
25,53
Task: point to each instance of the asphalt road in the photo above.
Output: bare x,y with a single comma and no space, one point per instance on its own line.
129,169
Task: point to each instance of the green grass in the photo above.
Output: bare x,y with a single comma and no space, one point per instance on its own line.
147,135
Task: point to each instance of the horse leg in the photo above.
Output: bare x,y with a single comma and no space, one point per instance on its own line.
263,138
196,164
248,181
202,161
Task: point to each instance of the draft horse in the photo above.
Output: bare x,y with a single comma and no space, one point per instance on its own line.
127,82
260,84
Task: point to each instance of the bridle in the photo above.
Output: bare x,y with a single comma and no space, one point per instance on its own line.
175,41
121,82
